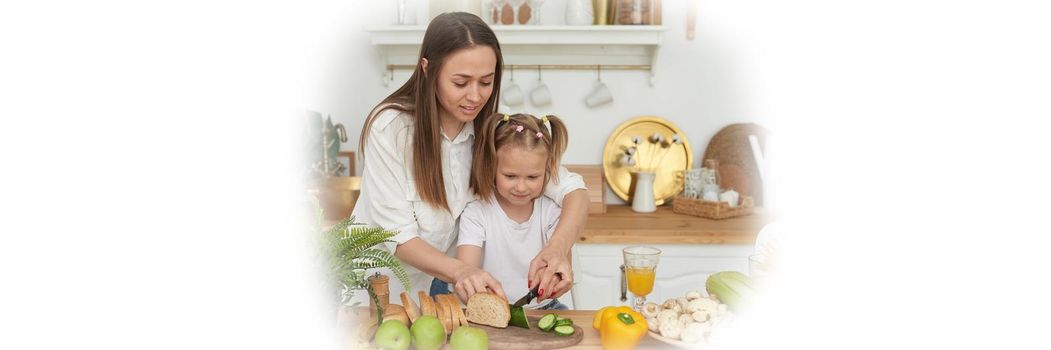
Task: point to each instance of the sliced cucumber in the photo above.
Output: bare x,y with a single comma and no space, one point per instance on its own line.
563,322
547,322
564,331
518,317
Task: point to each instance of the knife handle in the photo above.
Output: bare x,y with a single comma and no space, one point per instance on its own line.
623,285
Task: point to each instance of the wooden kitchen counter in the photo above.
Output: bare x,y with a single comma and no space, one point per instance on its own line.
622,225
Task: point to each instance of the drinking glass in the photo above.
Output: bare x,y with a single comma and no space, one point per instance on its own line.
640,264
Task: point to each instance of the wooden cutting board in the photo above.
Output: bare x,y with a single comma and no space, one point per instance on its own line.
529,339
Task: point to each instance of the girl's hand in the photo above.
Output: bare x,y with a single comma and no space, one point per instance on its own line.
553,270
470,280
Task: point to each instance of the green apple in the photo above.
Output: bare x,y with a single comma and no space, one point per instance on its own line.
392,335
427,333
469,338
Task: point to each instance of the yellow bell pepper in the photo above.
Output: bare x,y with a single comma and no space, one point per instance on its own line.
606,312
620,328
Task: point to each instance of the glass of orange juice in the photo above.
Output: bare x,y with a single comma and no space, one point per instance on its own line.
640,264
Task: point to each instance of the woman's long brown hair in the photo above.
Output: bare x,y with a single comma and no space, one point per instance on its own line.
446,34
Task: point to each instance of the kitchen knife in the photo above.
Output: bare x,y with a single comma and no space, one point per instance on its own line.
529,296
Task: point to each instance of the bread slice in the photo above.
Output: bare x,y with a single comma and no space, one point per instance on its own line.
427,305
395,312
454,305
458,309
443,316
410,307
444,304
488,309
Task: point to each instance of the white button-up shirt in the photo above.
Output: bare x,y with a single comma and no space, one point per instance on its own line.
388,189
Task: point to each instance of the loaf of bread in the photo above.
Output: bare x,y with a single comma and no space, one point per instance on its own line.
427,305
411,309
488,309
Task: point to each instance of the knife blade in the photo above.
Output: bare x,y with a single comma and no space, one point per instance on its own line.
529,296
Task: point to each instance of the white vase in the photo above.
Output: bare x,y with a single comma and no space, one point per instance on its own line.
643,200
579,12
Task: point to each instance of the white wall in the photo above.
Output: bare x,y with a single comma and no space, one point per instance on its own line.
701,84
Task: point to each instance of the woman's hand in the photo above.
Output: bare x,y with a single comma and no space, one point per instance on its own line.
553,270
469,280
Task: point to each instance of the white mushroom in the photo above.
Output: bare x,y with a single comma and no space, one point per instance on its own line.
671,329
700,316
667,316
691,295
653,324
685,319
702,304
672,304
682,303
695,332
669,303
650,310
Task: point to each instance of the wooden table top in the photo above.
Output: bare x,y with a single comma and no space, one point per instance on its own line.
622,225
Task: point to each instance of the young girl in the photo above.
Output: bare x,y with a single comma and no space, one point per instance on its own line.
512,221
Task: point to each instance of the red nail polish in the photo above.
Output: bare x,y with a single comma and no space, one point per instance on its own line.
541,293
530,285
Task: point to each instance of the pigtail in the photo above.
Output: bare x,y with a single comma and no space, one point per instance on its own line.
558,144
483,168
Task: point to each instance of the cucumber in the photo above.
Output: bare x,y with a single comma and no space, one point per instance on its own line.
564,331
518,317
547,322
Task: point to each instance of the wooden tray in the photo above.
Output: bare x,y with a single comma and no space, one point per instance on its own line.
737,168
712,210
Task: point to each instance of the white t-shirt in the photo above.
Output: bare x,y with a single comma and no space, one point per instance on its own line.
389,199
508,246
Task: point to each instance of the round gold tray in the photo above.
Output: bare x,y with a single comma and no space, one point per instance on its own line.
677,158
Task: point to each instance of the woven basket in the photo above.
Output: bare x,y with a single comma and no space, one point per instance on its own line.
711,210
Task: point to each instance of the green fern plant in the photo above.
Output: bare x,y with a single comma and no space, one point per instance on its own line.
348,250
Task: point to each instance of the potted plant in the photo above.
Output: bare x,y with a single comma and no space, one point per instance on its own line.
348,250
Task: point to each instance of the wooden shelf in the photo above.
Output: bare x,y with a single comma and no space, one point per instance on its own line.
622,225
556,45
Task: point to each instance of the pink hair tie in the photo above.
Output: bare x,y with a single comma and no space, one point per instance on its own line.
539,134
519,128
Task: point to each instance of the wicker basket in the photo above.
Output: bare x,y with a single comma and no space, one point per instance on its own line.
711,210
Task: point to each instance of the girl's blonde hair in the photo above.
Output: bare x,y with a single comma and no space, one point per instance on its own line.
520,130
446,34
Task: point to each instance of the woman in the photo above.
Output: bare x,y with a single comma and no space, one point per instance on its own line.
416,147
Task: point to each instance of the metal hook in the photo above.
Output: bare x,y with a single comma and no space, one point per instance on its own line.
539,75
512,72
600,72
